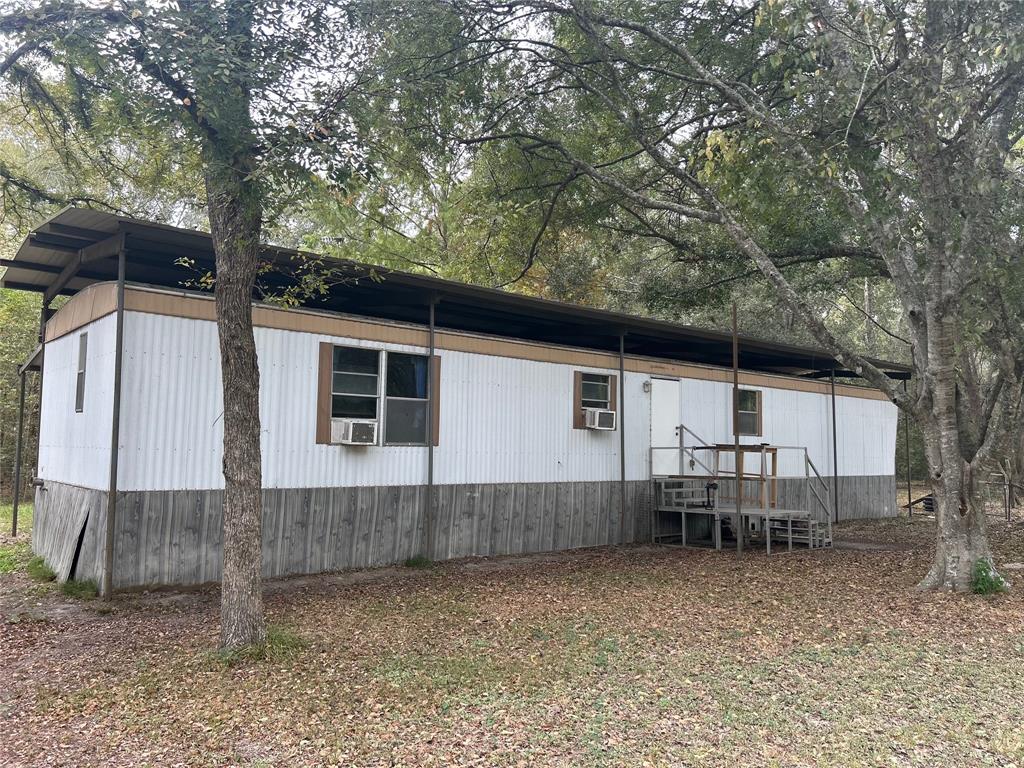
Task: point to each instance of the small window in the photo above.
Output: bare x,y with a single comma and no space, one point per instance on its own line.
355,385
405,421
749,412
596,390
83,347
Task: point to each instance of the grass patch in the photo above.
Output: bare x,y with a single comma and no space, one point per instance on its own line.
12,557
39,570
24,518
419,561
282,644
985,580
79,590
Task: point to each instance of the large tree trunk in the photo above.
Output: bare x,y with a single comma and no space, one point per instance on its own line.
235,223
952,452
961,537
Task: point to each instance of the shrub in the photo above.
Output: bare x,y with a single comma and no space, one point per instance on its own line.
985,580
418,562
39,570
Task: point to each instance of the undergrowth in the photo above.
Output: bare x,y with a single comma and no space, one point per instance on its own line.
985,580
79,590
282,643
39,570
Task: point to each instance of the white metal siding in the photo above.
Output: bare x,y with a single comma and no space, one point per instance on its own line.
74,448
503,420
866,428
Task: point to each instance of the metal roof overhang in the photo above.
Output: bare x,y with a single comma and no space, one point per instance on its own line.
152,251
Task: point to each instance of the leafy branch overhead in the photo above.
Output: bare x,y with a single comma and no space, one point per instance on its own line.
139,68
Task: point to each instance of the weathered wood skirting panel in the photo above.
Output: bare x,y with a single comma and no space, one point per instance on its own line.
174,537
59,514
872,496
537,517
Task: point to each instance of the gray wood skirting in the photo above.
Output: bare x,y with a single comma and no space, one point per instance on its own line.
174,537
59,513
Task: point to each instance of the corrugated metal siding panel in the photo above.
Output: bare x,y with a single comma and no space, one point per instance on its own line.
866,428
171,414
503,420
74,448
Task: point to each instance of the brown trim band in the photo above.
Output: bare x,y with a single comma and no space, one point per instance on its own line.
100,299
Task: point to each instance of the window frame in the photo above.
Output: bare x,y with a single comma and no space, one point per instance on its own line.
386,397
326,392
758,414
377,396
80,369
607,384
579,416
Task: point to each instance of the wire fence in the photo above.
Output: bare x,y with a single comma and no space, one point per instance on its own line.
1003,498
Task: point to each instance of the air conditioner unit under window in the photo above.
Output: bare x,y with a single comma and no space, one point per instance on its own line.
598,418
351,432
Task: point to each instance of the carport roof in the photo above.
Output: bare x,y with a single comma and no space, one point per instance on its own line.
78,247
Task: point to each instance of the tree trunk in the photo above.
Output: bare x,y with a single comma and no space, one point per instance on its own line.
961,537
235,224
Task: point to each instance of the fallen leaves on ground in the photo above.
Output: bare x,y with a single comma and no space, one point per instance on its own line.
626,656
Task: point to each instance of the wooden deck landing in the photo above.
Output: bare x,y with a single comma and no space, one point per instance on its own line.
787,526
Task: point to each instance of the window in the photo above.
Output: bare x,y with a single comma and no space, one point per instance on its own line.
592,390
355,385
83,346
749,412
405,420
390,388
596,391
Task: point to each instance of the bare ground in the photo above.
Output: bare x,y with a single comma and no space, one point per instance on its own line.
633,656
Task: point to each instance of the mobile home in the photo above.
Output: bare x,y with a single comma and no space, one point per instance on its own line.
401,415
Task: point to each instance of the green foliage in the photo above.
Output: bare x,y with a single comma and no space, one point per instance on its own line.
985,580
39,570
79,590
282,644
19,319
419,561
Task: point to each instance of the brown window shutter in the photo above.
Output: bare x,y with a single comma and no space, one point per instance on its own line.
435,398
760,415
613,394
323,394
579,421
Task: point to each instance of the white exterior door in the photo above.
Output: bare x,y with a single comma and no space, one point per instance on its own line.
666,416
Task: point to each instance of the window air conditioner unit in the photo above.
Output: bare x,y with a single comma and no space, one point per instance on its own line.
350,432
598,418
